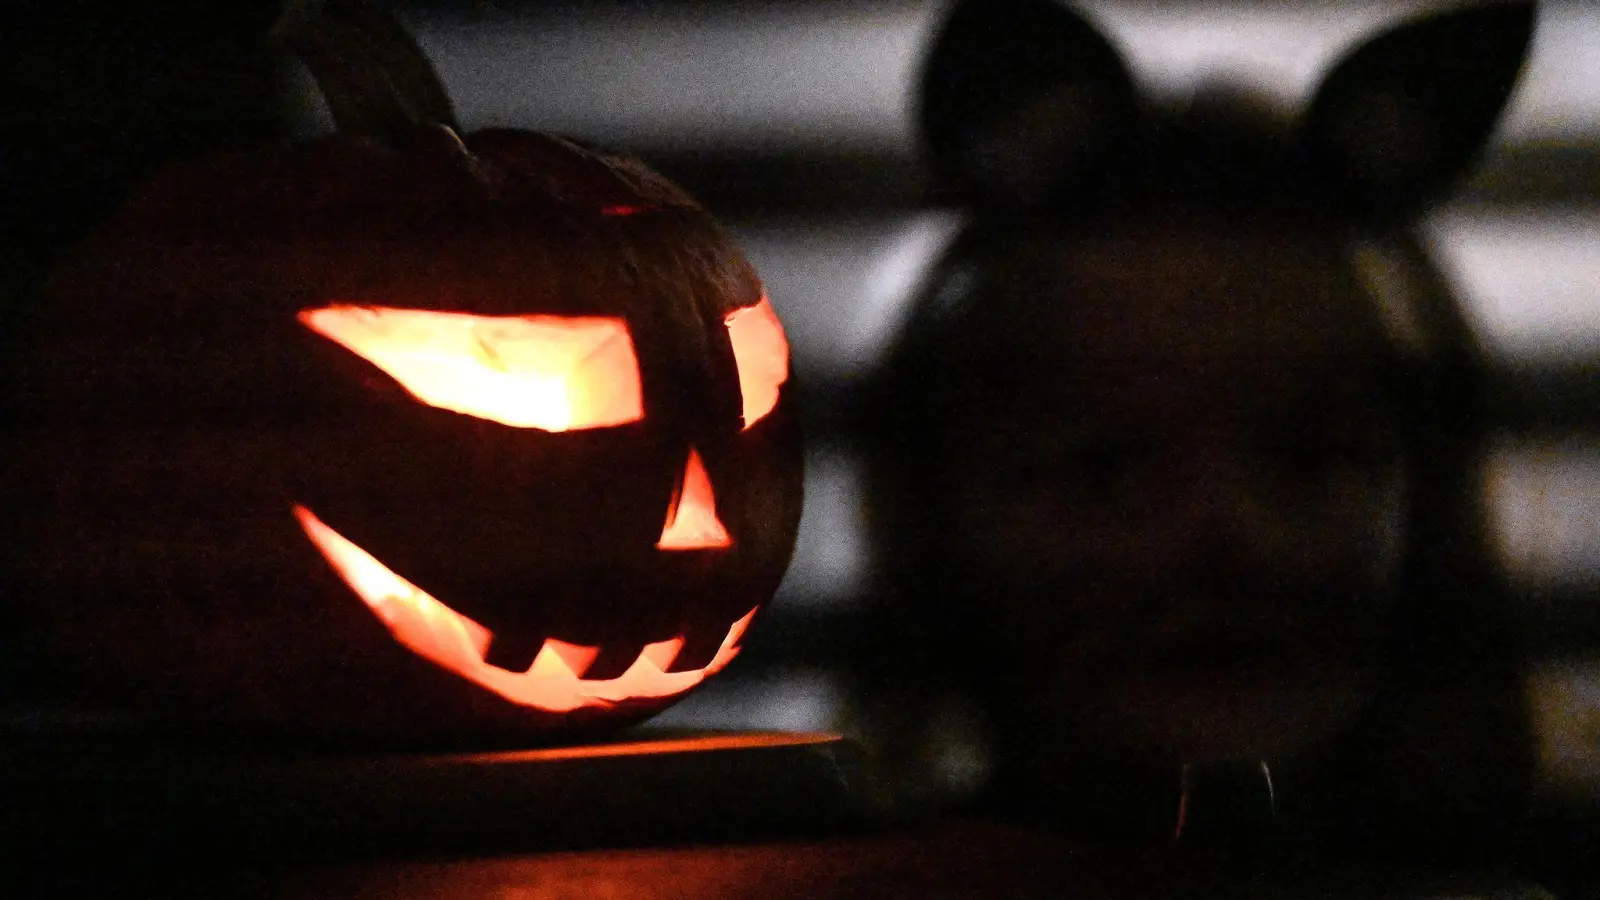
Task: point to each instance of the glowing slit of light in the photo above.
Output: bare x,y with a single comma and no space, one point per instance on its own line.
762,355
450,640
553,373
692,522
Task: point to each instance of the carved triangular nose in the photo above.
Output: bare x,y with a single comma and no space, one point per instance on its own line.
692,522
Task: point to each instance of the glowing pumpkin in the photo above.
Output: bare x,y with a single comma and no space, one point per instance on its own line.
413,438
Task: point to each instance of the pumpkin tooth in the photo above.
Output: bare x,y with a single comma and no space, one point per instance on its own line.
549,664
577,657
700,644
512,651
648,673
662,654
614,660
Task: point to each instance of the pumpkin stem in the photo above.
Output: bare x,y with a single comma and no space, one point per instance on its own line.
373,75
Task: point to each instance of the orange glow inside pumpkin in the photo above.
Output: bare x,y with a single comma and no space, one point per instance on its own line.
553,683
762,354
692,522
548,372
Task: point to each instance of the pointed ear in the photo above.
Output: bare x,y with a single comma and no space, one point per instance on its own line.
1020,100
1404,115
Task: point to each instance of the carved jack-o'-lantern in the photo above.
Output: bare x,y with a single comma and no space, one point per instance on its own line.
408,437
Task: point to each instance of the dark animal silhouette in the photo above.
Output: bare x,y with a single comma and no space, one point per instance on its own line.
1177,460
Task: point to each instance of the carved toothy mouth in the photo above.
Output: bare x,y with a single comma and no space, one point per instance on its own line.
553,683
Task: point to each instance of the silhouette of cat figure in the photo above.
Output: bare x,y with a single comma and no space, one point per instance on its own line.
1177,462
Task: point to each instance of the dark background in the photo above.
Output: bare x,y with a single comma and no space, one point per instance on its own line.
793,121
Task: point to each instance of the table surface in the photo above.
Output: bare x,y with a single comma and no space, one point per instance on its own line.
929,861
701,815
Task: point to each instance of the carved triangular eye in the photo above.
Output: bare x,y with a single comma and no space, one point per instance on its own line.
762,355
553,373
692,522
